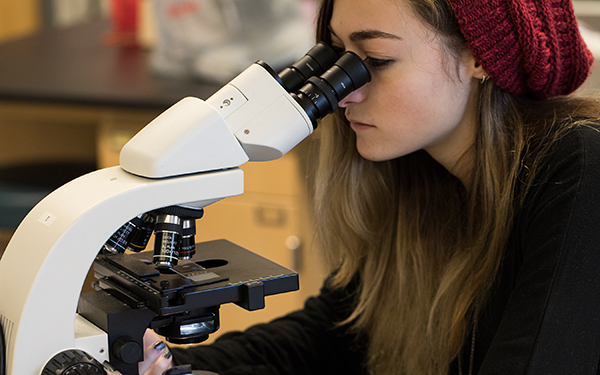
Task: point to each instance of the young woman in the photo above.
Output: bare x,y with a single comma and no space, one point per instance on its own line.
457,201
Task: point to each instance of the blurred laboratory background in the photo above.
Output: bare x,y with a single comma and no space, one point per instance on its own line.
78,78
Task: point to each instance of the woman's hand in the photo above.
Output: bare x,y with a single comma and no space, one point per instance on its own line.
157,357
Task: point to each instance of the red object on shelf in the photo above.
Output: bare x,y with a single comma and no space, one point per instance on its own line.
124,16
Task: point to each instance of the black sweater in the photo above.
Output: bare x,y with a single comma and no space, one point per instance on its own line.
543,317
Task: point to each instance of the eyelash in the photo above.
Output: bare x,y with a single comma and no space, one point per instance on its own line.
372,62
378,63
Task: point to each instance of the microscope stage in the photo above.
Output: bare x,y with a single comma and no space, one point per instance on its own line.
220,272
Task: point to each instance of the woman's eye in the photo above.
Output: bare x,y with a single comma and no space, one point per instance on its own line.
378,63
372,62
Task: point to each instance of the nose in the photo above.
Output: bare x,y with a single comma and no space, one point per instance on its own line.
354,97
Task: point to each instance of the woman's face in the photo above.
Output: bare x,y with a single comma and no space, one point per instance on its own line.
416,99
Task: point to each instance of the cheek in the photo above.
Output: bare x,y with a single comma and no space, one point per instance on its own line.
411,101
402,117
430,104
411,115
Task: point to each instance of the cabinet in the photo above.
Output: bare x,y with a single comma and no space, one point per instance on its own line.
271,218
18,17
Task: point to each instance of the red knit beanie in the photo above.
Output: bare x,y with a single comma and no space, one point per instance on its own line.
527,47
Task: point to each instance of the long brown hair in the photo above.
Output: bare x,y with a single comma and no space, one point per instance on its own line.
426,249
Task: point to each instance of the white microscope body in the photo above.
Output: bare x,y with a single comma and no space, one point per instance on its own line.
188,156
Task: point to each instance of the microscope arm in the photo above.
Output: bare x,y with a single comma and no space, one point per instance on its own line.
43,268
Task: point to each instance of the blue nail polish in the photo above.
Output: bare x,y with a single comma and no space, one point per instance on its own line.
159,345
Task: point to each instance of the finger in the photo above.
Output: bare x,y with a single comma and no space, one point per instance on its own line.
150,337
151,354
162,364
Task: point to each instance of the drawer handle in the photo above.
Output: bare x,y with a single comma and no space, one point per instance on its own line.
270,217
294,246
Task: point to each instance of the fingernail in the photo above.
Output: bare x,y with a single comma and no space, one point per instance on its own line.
159,345
108,367
167,355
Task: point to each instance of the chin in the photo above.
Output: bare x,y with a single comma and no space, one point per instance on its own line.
374,157
378,154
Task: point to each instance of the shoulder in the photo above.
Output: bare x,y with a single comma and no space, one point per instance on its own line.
585,137
574,155
546,297
566,181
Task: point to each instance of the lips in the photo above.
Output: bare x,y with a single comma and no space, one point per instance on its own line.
356,125
359,126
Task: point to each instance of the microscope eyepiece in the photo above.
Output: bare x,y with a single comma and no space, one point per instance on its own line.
316,61
320,95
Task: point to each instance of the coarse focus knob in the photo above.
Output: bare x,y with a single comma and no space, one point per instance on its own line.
127,350
73,362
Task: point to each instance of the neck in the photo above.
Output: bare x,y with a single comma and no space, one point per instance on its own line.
455,152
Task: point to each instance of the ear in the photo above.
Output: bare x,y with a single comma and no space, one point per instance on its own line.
475,70
478,72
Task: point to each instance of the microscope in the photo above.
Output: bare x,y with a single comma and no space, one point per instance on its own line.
182,161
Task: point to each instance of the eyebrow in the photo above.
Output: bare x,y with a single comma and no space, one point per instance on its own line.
372,34
368,34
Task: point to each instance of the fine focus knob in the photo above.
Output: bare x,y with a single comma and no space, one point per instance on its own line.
73,362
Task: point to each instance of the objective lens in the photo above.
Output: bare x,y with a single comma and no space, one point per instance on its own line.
118,242
314,63
167,237
141,235
321,95
188,239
